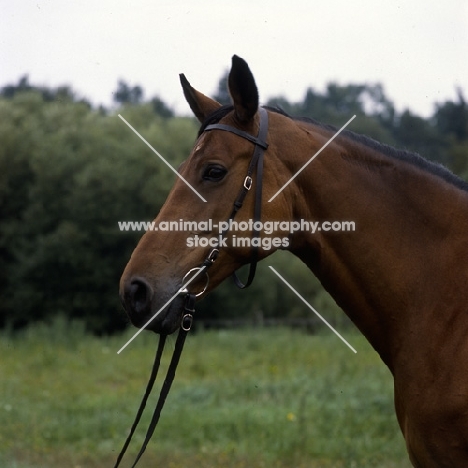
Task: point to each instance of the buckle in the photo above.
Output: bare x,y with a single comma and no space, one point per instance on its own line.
187,321
248,183
213,255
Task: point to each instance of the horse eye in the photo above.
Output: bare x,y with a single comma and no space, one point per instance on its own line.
214,173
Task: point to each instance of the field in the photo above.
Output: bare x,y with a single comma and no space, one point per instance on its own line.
242,398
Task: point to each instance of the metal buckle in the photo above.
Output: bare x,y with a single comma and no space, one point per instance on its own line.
186,291
248,183
213,255
187,321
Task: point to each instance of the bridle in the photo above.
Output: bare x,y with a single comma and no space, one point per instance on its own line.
256,163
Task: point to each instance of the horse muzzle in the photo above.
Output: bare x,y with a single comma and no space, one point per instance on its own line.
145,308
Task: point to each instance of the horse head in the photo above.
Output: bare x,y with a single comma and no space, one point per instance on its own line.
216,170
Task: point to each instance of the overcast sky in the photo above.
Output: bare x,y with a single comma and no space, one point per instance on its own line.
418,49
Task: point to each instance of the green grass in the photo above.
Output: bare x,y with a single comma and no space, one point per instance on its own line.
246,398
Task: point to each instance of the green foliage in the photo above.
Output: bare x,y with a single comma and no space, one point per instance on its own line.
222,94
68,175
378,119
62,93
128,94
419,135
452,118
262,398
69,172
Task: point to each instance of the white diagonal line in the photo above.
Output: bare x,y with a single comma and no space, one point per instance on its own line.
312,158
312,309
163,307
162,159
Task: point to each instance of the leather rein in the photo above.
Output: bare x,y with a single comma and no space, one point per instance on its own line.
256,163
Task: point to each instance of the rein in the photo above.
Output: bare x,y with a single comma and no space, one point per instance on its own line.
189,307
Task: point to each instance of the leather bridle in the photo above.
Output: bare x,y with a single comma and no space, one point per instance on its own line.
256,163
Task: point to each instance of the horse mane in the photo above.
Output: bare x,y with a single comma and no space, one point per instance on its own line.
415,159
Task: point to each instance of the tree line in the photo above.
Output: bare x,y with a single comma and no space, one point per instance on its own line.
70,171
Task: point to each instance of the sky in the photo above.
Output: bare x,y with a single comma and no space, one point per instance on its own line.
417,49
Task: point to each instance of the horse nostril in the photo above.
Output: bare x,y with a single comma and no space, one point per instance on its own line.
137,295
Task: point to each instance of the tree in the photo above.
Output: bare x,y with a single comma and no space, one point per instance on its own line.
222,94
161,108
126,94
9,91
68,174
61,93
345,99
452,118
419,135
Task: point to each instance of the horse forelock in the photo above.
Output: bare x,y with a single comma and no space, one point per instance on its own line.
215,117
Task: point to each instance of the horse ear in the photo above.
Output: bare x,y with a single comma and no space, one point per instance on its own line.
201,105
243,89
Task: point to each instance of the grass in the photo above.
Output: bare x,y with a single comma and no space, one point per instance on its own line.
245,398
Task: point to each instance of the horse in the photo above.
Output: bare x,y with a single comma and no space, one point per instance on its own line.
401,276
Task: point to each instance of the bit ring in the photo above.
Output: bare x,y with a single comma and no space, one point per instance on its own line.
186,291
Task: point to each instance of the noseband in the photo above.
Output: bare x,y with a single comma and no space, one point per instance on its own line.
189,308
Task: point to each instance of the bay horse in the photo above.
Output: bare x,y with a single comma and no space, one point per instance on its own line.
401,277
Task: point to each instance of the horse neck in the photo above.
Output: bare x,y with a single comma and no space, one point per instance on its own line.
409,233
